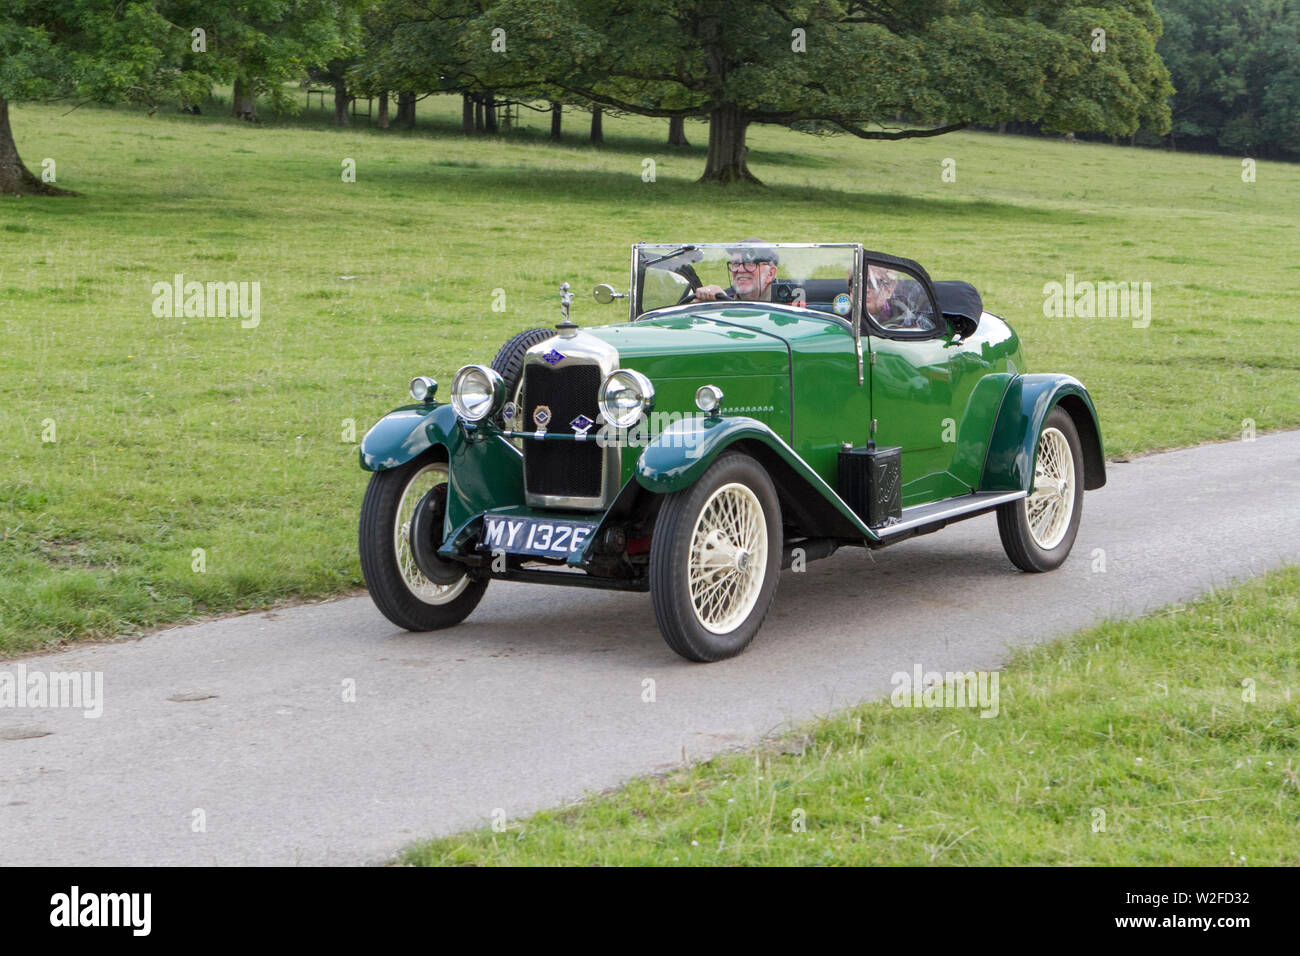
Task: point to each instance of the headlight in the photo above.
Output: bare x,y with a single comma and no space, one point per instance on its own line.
477,392
423,388
624,396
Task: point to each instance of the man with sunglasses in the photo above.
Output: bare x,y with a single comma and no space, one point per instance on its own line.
752,265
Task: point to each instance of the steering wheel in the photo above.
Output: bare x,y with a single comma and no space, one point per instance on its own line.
690,297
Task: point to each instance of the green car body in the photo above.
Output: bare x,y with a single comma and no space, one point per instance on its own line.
799,387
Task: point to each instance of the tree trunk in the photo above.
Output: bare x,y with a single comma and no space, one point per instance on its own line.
727,149
15,178
478,113
597,127
383,110
467,114
677,131
341,104
244,106
556,117
406,109
490,113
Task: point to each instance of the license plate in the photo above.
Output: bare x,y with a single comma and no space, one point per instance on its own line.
543,537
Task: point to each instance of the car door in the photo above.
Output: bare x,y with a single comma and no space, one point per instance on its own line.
922,373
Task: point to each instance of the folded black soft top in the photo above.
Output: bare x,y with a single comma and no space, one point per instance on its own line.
959,299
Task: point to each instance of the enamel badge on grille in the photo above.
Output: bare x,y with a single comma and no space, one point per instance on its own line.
581,425
552,357
542,416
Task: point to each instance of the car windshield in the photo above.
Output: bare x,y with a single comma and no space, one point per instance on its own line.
795,274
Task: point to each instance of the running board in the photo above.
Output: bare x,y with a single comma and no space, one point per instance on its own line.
967,506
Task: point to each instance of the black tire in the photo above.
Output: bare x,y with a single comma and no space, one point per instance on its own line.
670,561
509,360
379,563
1014,527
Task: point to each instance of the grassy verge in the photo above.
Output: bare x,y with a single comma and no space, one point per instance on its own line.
157,468
1127,744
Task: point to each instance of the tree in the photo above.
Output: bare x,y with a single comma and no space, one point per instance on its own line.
261,44
677,131
1234,66
833,65
86,50
152,52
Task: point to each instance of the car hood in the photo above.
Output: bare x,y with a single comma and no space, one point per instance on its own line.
684,344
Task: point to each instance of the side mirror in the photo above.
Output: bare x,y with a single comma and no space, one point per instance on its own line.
606,293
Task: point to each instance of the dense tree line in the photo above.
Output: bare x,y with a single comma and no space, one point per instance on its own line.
1236,67
877,69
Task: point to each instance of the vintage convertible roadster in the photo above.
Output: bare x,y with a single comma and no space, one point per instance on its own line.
763,405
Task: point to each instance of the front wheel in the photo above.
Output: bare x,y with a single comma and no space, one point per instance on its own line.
715,559
402,592
1038,531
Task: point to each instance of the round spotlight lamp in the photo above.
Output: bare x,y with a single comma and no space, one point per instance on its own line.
708,399
423,388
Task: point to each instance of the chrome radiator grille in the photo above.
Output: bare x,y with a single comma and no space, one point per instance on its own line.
567,469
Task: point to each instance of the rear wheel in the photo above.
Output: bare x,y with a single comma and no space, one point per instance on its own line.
402,592
715,560
1038,531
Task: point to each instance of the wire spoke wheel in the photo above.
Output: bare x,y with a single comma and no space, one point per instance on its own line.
400,590
728,558
1051,505
715,559
1038,531
423,589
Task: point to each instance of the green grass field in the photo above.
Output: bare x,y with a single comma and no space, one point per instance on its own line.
1130,744
172,435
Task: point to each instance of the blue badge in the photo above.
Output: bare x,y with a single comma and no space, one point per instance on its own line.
842,304
552,357
542,416
510,411
581,424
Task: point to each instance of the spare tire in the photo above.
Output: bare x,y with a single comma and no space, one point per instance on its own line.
509,361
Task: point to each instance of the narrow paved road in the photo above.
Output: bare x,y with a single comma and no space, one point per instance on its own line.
538,696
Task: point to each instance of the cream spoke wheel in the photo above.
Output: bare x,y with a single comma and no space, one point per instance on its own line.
727,558
430,592
1050,506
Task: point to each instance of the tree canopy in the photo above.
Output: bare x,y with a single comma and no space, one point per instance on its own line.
1236,67
879,69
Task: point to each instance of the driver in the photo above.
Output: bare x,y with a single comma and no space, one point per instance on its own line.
752,265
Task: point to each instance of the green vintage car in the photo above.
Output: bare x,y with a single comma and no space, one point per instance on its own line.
763,405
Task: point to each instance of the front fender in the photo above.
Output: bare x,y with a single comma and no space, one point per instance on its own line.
407,432
1029,399
683,451
486,470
